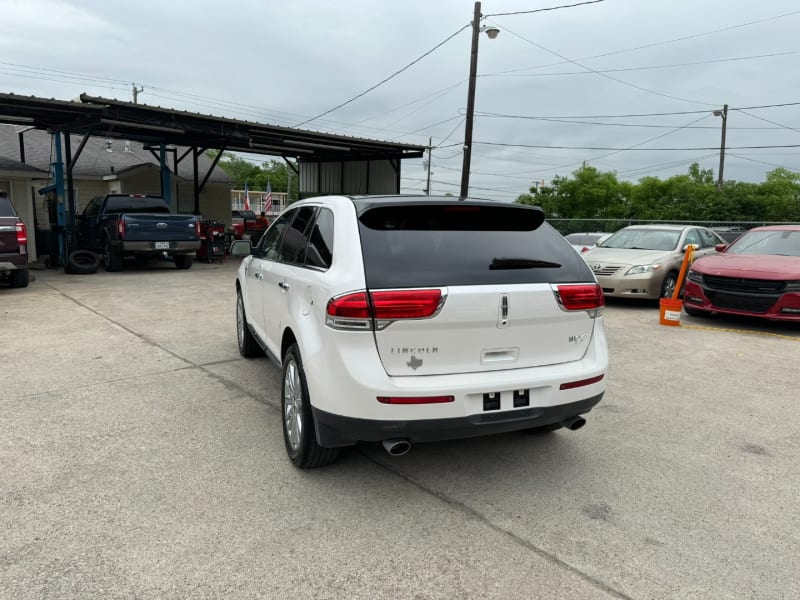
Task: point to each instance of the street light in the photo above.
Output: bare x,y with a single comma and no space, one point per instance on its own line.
724,114
491,32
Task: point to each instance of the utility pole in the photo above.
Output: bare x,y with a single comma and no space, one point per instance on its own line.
136,91
430,159
473,68
724,114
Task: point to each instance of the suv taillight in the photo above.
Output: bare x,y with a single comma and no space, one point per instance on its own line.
197,228
121,228
22,234
584,296
358,309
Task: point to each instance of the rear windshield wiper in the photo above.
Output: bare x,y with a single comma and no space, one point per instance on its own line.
521,263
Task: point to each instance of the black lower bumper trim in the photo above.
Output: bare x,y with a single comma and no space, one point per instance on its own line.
334,430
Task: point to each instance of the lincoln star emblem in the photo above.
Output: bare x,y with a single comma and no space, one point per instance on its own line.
414,363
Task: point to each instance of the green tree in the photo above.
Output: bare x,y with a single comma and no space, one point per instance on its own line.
242,171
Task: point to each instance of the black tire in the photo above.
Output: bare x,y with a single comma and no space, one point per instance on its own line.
693,312
248,346
112,261
298,421
82,262
19,278
183,261
668,285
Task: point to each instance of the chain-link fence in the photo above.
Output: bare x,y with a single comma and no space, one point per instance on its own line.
567,226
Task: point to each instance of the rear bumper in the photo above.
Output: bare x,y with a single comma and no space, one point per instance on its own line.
334,430
6,265
183,247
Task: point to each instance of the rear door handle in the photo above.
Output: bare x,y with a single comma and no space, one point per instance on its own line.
258,275
283,285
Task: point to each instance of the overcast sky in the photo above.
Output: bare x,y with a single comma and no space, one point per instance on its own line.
284,62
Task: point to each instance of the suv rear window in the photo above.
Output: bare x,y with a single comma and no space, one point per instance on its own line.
6,208
460,243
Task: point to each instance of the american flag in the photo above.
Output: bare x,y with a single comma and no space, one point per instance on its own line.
246,197
268,201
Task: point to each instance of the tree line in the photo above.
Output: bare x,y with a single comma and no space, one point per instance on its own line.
590,193
256,176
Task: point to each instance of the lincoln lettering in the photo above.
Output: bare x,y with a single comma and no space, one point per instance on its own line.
416,350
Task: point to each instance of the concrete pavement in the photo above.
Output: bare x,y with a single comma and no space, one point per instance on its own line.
142,457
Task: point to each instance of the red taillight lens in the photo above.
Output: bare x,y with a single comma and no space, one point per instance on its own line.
22,234
581,297
581,383
197,228
351,306
405,304
357,310
415,399
121,228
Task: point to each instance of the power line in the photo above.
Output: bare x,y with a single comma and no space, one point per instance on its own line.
631,115
762,162
606,75
744,112
645,125
390,77
636,149
538,10
647,68
662,43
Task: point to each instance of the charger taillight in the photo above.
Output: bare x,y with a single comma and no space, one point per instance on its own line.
22,234
358,309
121,228
583,296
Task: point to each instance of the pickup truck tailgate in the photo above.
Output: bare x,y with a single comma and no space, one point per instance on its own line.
160,228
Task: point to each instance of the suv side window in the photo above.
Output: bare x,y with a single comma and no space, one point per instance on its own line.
271,240
709,240
293,249
319,252
692,237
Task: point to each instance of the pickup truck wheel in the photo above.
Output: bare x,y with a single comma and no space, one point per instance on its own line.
248,347
112,261
82,262
298,422
183,261
19,278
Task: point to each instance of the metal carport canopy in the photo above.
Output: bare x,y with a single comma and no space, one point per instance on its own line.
118,119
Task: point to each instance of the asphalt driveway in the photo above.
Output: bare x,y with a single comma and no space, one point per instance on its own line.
140,456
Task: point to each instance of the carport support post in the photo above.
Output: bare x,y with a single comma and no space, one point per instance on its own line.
196,181
70,220
58,176
166,187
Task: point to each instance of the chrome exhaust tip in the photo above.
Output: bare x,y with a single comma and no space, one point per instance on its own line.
396,447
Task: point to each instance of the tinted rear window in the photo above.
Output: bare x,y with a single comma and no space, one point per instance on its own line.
6,208
442,245
130,204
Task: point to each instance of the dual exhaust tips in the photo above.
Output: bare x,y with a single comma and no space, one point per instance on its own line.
401,446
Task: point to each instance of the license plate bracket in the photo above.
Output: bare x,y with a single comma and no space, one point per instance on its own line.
162,245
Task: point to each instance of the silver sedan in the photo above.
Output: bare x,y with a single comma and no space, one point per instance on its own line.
643,261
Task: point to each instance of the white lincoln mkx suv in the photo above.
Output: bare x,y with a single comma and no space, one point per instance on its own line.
402,319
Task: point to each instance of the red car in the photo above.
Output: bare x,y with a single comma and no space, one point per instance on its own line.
758,275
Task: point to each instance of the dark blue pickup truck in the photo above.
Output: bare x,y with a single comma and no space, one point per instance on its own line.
120,225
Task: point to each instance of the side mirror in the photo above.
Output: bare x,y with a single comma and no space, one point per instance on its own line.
241,248
720,247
